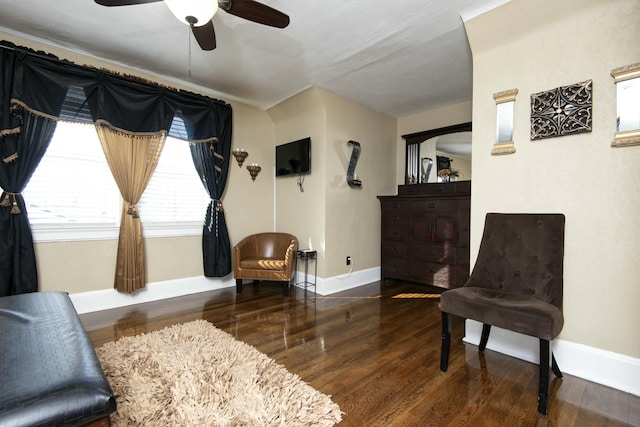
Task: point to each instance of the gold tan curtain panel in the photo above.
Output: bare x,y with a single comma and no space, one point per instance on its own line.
132,158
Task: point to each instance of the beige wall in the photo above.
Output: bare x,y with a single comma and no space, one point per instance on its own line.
249,204
536,46
431,119
338,219
301,213
353,214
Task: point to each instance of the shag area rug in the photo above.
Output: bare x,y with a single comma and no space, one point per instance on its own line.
194,374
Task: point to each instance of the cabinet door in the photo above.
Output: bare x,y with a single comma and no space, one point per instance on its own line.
432,227
421,225
433,220
445,227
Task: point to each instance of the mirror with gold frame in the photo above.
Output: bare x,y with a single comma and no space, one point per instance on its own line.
505,105
627,81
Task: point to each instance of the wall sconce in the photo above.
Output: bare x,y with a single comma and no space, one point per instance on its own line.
505,104
627,80
240,154
254,169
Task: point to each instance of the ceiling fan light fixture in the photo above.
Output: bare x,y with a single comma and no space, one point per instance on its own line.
188,10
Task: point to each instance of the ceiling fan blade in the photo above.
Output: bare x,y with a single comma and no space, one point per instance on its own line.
205,36
256,12
123,2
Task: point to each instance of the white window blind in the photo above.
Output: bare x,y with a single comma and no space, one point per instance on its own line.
73,196
73,184
175,193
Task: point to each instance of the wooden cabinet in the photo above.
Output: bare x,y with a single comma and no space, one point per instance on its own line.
425,233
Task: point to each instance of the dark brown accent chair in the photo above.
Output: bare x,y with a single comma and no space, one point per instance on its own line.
516,284
265,256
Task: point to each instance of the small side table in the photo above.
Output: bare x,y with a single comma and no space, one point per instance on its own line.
306,255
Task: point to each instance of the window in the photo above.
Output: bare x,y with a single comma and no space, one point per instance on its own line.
175,194
73,196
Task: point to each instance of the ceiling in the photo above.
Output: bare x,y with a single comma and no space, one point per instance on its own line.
397,60
455,144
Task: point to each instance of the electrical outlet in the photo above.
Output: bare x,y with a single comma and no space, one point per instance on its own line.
349,260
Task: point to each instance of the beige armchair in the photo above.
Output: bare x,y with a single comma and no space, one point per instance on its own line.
265,256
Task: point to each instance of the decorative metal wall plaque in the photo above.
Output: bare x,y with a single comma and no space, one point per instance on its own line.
562,111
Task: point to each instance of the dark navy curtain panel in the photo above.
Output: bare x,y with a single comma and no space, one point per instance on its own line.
20,153
37,89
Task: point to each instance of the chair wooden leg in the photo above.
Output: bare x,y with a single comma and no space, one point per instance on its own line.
239,286
486,329
543,384
446,341
285,289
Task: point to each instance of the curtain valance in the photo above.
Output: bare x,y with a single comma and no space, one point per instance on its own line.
37,89
61,89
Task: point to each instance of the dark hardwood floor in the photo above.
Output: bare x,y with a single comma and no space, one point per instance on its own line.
378,357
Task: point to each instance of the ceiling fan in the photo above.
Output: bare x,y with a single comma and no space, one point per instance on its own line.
198,14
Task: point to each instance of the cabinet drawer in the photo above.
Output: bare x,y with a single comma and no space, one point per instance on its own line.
439,205
464,205
433,273
433,253
463,257
394,268
464,221
394,249
395,217
432,188
463,238
394,232
394,205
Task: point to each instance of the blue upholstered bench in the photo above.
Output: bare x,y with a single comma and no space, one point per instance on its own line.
49,372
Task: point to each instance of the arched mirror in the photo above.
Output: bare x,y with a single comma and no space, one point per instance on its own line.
438,155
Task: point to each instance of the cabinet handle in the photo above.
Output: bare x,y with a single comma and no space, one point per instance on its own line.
394,249
440,188
395,232
432,253
396,218
395,205
432,205
432,271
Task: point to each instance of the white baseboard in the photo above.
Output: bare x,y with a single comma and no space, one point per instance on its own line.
600,366
343,282
87,302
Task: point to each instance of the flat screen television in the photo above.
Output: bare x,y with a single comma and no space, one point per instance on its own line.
294,158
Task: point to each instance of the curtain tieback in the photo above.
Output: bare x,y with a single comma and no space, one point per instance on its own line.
10,200
12,158
218,208
133,210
